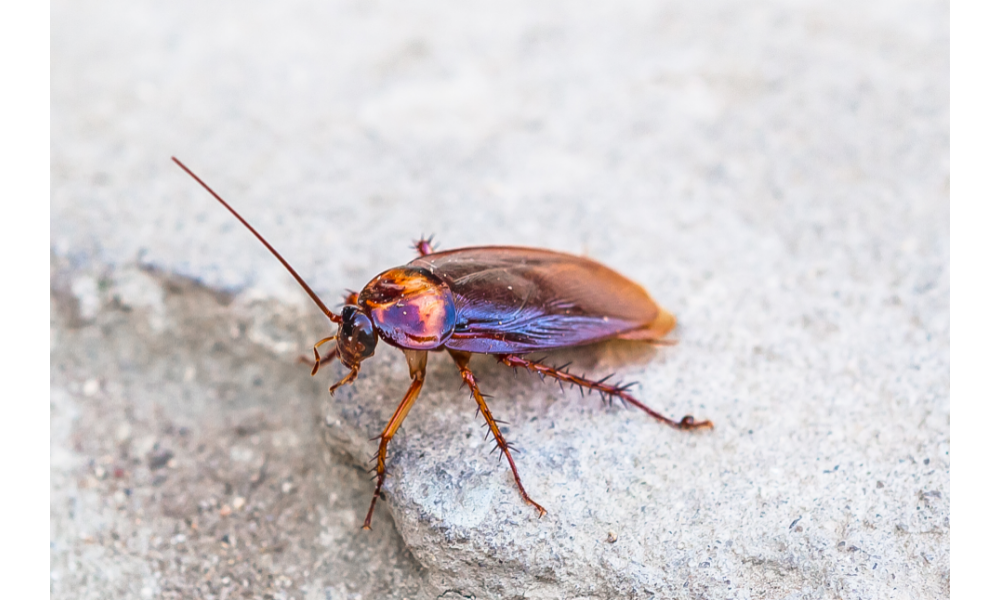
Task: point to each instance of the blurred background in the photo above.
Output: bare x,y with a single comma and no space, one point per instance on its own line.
774,173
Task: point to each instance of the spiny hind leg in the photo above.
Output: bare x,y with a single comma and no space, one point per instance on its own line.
417,361
608,390
462,361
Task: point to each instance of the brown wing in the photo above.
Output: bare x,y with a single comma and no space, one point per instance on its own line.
517,300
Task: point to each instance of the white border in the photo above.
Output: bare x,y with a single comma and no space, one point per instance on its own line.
24,231
975,301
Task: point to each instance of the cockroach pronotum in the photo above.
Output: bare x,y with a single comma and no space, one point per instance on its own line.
503,301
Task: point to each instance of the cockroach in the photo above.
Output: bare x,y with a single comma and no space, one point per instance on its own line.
504,301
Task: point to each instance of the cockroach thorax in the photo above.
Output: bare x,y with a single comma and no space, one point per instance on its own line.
411,307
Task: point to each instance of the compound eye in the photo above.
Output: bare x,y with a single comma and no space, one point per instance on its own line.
365,336
357,337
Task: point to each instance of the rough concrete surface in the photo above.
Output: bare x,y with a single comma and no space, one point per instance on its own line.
776,174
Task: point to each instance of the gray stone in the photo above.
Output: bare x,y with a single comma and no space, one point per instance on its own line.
774,174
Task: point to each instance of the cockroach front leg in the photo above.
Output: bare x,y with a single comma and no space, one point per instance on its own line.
417,361
462,361
322,360
605,389
319,361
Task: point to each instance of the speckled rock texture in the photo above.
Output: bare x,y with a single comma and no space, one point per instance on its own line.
776,174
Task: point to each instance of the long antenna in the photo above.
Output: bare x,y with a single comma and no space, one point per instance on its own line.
305,286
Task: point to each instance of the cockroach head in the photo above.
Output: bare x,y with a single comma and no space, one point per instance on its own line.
356,338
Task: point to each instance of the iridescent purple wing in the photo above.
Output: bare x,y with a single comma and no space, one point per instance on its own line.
518,300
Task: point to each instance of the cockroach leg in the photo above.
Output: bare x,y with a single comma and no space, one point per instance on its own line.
417,361
601,387
351,298
329,356
462,361
322,360
423,247
347,380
